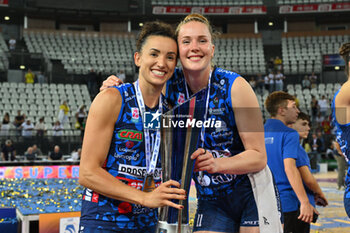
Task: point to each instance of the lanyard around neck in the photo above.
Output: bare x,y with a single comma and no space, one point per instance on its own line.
151,159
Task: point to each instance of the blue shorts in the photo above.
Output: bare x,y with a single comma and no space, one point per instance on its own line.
88,229
228,213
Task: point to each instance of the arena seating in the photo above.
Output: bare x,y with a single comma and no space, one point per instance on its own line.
80,52
243,53
3,57
206,2
303,54
38,101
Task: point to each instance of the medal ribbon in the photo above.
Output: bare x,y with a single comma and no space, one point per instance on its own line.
151,160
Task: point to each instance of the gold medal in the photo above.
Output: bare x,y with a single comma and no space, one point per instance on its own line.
148,184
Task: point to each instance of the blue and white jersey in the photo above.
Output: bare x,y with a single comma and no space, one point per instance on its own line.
281,143
223,141
303,160
126,160
342,132
343,138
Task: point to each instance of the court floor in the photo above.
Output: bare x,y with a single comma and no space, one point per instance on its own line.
332,219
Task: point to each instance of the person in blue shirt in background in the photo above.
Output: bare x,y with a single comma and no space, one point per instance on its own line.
282,145
313,190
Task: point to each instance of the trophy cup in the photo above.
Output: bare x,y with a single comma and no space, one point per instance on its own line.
179,139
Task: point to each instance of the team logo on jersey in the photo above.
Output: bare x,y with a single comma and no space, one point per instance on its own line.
222,82
152,120
135,113
132,135
181,98
204,180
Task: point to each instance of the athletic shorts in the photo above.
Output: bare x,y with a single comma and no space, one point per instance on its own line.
88,229
294,225
227,213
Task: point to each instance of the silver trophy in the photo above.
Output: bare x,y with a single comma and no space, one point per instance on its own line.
179,139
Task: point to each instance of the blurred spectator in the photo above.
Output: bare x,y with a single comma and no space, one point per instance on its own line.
319,119
56,154
91,79
57,129
306,84
324,105
252,83
326,125
41,78
29,76
29,155
75,155
27,128
36,150
8,151
270,65
40,127
267,82
5,125
279,80
12,44
260,84
80,116
314,107
278,63
63,113
316,147
121,75
272,81
19,120
313,80
306,146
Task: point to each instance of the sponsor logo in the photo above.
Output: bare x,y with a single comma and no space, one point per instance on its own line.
152,120
221,134
95,197
216,111
216,100
265,221
88,195
132,135
129,144
136,171
269,140
123,149
135,113
252,223
127,157
222,82
219,86
129,98
204,180
181,98
220,153
222,178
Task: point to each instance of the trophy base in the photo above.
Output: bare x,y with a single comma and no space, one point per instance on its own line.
164,227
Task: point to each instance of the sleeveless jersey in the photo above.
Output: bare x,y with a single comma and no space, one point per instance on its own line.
126,160
342,137
223,141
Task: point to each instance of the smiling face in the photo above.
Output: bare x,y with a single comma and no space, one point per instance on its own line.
195,46
157,59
